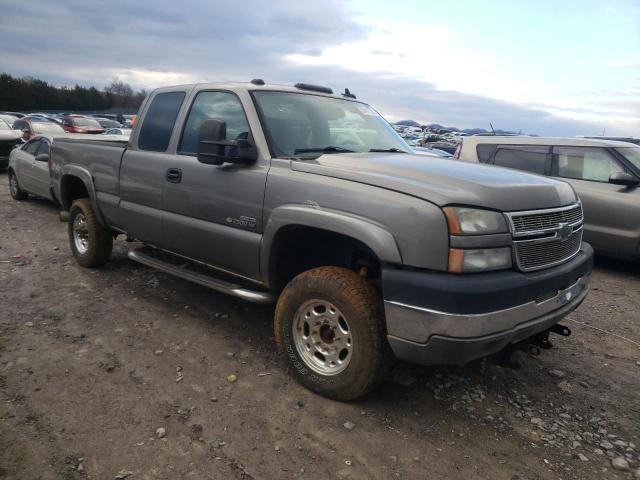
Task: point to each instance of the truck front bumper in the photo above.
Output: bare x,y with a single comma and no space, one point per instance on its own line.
446,319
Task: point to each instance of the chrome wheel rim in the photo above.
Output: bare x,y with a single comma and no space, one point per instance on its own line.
80,234
322,337
13,185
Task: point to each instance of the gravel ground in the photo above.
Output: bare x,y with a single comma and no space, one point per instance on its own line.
124,373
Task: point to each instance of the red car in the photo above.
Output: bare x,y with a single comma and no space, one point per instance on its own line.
30,126
81,124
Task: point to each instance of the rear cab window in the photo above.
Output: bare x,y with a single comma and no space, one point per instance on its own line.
158,123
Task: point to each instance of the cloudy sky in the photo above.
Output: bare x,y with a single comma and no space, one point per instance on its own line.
541,66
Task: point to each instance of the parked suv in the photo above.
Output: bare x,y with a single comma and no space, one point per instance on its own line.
310,199
604,173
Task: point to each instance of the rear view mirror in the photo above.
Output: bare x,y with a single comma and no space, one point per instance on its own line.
215,149
623,178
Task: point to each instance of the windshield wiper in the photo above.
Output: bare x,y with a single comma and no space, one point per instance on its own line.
329,149
390,150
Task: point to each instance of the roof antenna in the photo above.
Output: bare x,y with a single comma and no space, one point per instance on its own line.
491,125
348,94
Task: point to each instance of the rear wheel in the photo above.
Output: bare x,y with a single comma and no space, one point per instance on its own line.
14,187
91,242
330,326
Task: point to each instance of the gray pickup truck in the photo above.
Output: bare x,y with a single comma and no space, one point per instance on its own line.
296,195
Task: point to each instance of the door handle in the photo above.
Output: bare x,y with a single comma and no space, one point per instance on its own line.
174,175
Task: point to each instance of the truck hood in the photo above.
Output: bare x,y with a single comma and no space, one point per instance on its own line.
444,182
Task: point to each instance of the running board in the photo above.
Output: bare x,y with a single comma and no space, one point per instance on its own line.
201,279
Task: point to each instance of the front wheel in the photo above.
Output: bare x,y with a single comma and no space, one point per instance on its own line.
91,242
14,187
329,324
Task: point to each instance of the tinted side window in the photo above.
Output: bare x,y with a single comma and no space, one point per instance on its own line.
43,147
32,147
20,125
530,159
585,163
156,129
222,106
485,151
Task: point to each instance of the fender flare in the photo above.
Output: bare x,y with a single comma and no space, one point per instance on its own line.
369,232
85,176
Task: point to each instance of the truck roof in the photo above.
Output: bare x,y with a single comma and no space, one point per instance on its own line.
256,86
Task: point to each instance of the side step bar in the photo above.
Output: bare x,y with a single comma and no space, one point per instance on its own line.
201,279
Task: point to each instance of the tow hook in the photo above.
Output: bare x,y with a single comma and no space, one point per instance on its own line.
560,330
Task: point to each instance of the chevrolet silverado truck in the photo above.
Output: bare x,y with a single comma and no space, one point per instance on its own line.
308,199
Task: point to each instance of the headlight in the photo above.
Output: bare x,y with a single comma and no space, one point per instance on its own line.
479,259
474,221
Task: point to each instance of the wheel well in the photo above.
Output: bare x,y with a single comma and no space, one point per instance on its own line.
71,189
298,248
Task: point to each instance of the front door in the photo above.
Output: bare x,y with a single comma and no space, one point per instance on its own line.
611,211
24,165
214,213
40,171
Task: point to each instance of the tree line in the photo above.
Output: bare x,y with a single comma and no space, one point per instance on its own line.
31,94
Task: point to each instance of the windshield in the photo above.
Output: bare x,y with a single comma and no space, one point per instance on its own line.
4,125
632,154
46,127
306,126
85,122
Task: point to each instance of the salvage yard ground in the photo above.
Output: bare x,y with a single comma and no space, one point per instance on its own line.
123,373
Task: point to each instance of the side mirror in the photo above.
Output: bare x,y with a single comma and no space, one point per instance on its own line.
43,157
623,178
215,149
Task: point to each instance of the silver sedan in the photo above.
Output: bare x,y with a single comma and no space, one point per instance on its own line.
29,169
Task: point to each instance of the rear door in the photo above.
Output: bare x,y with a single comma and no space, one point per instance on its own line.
144,169
611,214
214,213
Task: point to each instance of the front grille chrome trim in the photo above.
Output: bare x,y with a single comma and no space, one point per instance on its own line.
540,237
512,218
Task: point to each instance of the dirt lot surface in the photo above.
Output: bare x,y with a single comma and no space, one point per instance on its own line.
94,363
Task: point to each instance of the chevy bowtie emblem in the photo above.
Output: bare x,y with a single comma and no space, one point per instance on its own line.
564,231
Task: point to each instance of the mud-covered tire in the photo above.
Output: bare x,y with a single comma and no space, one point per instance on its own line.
361,305
14,187
90,241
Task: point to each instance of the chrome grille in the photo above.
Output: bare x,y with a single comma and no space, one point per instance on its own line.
538,222
534,255
543,238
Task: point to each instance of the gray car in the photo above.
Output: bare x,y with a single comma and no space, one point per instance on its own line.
604,173
298,196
